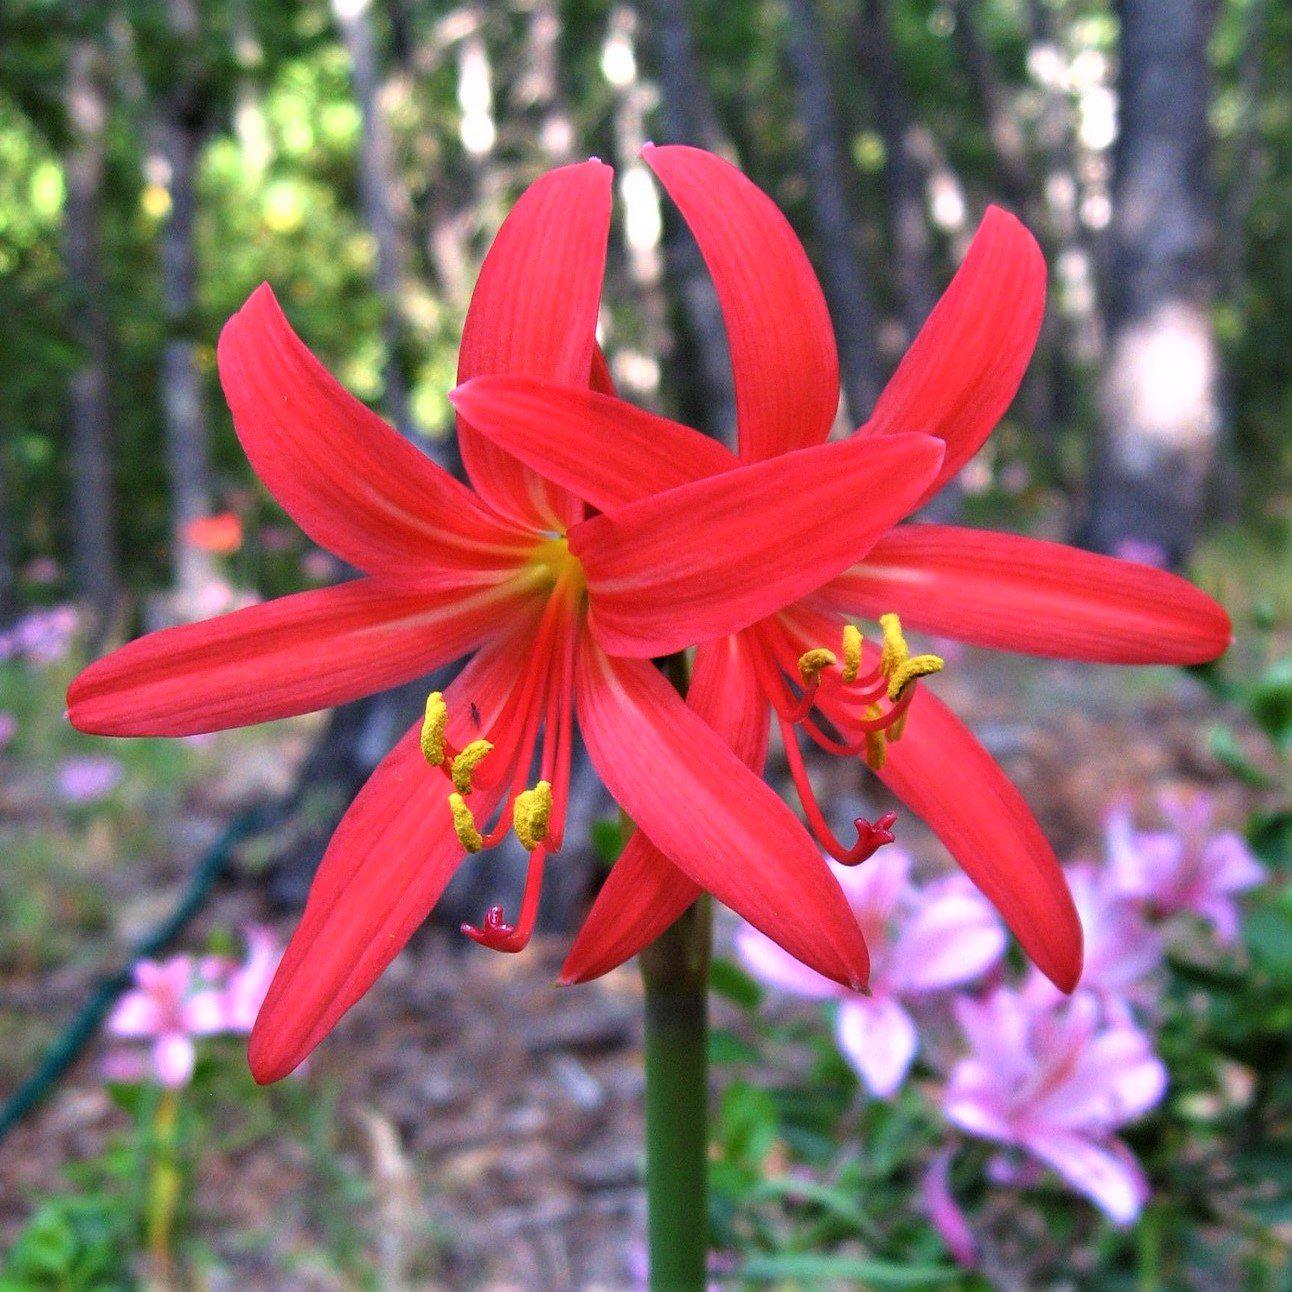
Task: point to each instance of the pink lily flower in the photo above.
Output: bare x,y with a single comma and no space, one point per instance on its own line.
248,982
1121,950
169,1006
1188,868
1057,1083
921,942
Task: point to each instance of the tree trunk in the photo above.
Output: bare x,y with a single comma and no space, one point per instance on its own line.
8,549
380,200
94,547
179,135
904,173
688,116
831,177
1159,398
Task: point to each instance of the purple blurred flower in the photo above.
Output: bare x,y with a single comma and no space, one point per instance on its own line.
171,1003
248,983
87,778
1057,1083
1142,551
41,636
944,1211
921,942
1188,867
1121,950
8,727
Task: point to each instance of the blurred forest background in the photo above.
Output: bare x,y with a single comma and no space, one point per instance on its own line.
160,158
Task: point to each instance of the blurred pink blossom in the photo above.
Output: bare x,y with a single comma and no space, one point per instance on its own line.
1121,950
8,727
921,942
42,569
1057,1083
944,1211
1142,551
170,1005
87,778
1188,867
40,637
248,983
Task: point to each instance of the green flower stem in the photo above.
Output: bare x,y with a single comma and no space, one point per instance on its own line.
164,1188
675,969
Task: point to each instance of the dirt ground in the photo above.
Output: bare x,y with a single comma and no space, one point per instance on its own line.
493,1116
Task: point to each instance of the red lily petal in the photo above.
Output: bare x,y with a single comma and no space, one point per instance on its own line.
293,655
783,355
947,778
965,366
349,480
603,449
1037,598
385,868
714,556
710,815
645,892
534,313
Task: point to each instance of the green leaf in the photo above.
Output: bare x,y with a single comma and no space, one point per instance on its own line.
728,979
814,1270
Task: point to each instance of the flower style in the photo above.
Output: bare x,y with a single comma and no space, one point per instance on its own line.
170,1004
1057,1084
920,941
806,661
448,570
1189,868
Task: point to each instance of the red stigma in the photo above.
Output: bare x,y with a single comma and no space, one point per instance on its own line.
871,837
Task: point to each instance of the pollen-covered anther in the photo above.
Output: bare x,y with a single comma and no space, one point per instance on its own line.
434,727
813,662
851,652
895,651
464,824
466,762
907,672
531,814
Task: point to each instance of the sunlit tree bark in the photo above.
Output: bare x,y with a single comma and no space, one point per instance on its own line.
1159,398
831,178
94,547
688,116
905,182
380,199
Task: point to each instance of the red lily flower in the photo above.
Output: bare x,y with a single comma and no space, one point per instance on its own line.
446,571
989,589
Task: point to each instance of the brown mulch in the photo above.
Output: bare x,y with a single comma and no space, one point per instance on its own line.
492,1117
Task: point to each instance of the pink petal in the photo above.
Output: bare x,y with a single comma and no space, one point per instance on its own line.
1106,1173
773,966
173,1058
879,1039
952,938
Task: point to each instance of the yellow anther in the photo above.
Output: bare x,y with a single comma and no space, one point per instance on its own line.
464,824
851,652
434,726
909,670
876,741
531,813
466,763
813,661
895,652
